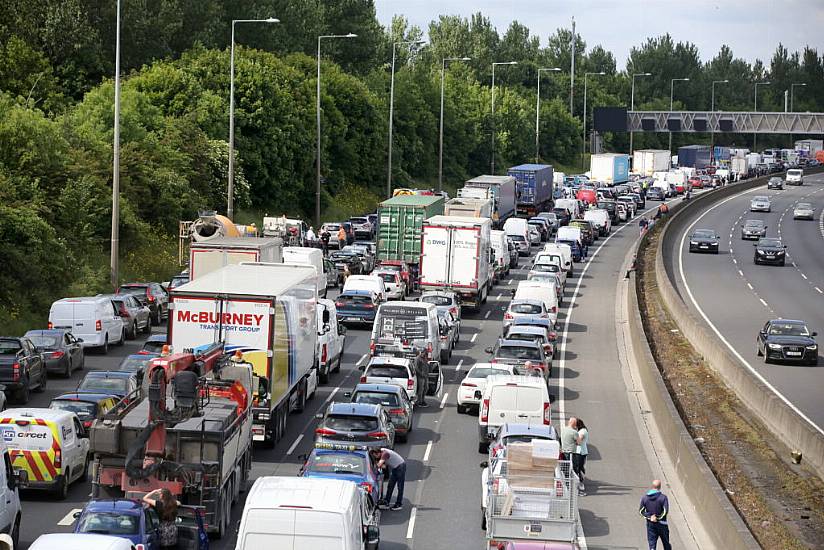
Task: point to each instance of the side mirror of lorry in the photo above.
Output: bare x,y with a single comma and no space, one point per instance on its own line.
325,317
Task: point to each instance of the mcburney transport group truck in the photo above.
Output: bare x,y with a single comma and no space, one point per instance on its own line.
266,311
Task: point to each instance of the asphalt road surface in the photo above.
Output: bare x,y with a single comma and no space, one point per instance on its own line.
442,504
736,297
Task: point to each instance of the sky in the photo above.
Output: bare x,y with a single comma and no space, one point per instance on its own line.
753,29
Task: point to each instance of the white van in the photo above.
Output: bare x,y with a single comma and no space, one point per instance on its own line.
554,258
372,283
600,218
572,206
80,541
514,400
412,323
565,252
10,484
567,233
517,226
299,513
331,339
303,255
501,248
94,320
56,438
536,290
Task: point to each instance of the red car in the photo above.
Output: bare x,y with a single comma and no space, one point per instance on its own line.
696,182
586,195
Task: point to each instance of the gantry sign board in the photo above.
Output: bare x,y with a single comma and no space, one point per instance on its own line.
618,119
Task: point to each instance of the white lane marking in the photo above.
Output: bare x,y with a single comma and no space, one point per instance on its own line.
443,401
488,313
474,337
740,272
331,395
715,329
734,261
68,519
802,275
458,366
763,302
427,452
411,529
498,297
294,445
361,360
749,285
819,290
510,281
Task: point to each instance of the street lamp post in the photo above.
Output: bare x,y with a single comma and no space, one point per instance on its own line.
584,118
317,120
115,247
538,112
792,93
632,108
672,92
493,110
230,197
712,108
391,112
755,108
440,131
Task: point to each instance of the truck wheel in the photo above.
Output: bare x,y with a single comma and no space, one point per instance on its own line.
225,514
15,533
84,477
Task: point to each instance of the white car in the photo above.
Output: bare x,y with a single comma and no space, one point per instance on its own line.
803,211
473,384
534,235
760,203
392,280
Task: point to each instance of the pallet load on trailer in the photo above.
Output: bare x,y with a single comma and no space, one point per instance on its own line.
456,256
399,230
205,257
200,449
267,311
501,189
534,187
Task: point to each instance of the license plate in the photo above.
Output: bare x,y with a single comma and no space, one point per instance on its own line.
794,353
703,246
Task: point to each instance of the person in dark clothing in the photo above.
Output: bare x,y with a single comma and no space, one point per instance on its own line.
324,240
655,508
165,504
397,475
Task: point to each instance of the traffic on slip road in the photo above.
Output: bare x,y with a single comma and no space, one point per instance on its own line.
242,405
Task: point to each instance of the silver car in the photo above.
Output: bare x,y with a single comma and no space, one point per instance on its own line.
760,203
803,211
524,308
444,300
136,316
753,229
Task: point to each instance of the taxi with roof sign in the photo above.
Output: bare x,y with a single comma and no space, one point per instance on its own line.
347,462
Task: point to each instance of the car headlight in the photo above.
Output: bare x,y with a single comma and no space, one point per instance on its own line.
760,252
779,253
813,347
774,346
693,242
263,416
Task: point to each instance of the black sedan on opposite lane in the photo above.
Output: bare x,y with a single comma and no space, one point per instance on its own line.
704,240
770,251
775,183
787,340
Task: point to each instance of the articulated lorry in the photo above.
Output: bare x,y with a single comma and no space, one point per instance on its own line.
472,208
501,189
534,187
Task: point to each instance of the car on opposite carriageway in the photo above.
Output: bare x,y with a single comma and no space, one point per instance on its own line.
803,211
787,340
775,183
753,229
760,203
770,251
704,240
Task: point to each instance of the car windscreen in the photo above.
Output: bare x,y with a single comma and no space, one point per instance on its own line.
437,300
789,329
753,223
387,371
773,243
342,256
388,277
518,352
526,309
337,463
351,423
549,268
178,281
45,341
519,238
109,523
704,234
9,347
153,347
404,322
760,199
103,384
804,206
377,398
83,409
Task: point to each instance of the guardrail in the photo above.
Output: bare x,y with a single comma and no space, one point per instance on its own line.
778,415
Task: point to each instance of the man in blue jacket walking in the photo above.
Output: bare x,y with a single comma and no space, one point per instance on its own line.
654,508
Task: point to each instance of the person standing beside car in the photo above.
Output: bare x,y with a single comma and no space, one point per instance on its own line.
397,475
579,457
165,505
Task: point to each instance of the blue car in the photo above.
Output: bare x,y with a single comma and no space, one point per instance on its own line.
154,344
116,383
357,306
576,250
132,520
348,462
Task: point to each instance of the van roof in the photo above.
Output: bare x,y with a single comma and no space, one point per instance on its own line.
408,303
324,494
82,299
519,379
80,541
255,279
49,415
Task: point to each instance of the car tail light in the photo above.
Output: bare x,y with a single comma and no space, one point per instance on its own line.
546,413
139,547
371,348
468,385
429,349
369,306
377,435
57,354
553,335
507,315
363,380
87,423
323,354
366,487
325,431
485,411
149,296
51,325
410,383
453,310
396,411
15,372
554,309
339,304
98,325
58,459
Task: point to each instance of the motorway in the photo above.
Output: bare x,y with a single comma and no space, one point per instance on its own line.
442,504
735,297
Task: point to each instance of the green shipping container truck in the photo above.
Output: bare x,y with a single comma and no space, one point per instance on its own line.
399,226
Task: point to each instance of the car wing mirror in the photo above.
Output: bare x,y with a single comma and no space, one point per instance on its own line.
488,350
347,394
484,464
319,416
814,333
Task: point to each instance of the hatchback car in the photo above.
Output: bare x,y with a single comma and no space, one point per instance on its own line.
355,424
363,227
392,281
753,229
533,333
345,462
524,308
357,306
444,300
803,211
155,295
117,384
770,251
136,314
87,406
393,398
787,340
61,351
522,354
775,183
350,259
449,327
704,240
760,203
474,381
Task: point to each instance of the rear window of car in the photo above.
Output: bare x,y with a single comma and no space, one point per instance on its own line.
132,289
46,341
526,337
519,238
109,523
356,299
437,300
527,309
387,371
337,463
9,347
351,423
376,398
103,384
83,409
133,364
358,220
518,352
389,277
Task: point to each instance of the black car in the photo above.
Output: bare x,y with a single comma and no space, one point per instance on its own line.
21,368
609,206
775,183
655,194
61,351
786,340
563,215
704,240
753,229
770,251
348,258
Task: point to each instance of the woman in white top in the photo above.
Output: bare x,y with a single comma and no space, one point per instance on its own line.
579,457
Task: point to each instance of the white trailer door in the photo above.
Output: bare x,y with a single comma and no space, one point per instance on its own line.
435,256
202,321
464,259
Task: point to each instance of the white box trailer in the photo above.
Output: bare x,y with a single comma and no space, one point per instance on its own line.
455,255
648,161
502,193
205,257
266,311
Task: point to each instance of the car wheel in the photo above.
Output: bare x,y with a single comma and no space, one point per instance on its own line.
766,357
69,368
156,318
483,520
15,534
148,328
461,409
85,475
122,338
105,347
43,381
22,395
783,262
133,333
757,350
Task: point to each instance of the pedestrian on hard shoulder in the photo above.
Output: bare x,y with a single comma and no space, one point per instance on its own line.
397,475
165,504
655,508
642,225
579,457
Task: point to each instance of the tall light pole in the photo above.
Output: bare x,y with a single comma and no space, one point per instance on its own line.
115,250
440,131
672,92
712,108
317,120
230,193
572,71
391,112
538,112
792,93
493,110
584,118
755,108
632,107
